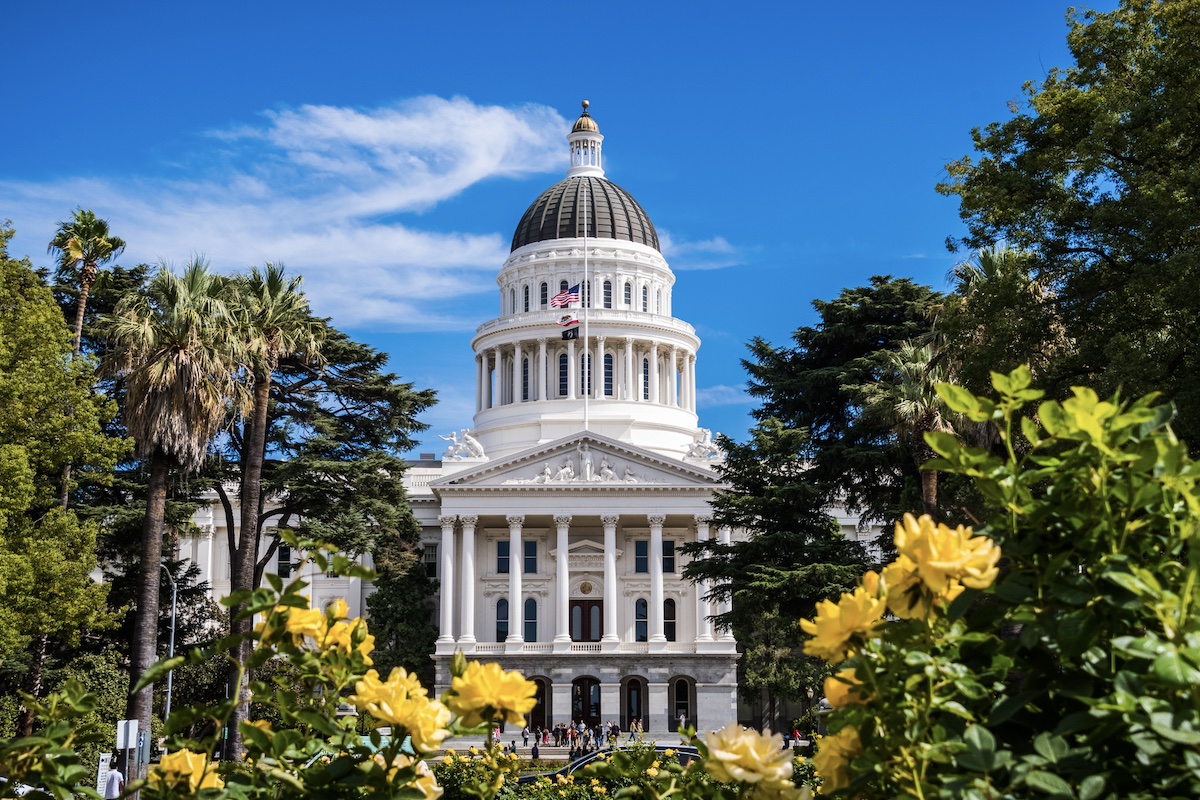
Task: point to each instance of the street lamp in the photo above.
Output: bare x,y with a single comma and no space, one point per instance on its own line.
171,646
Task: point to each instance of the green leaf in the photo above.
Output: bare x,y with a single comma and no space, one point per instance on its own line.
1049,783
1172,668
1091,787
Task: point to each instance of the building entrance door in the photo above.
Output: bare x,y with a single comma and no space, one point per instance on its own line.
587,620
585,701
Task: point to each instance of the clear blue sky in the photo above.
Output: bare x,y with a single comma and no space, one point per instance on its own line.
386,150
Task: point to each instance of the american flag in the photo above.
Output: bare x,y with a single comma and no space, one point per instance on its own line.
563,299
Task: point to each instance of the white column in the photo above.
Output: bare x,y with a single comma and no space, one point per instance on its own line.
673,376
541,379
562,611
610,578
703,624
692,382
498,392
446,575
466,594
723,536
654,395
487,378
631,384
516,563
656,579
516,394
598,370
478,384
572,370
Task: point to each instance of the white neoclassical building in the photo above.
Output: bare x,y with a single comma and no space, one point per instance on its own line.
555,522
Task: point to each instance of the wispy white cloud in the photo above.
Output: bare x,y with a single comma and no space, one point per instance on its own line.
714,253
320,188
721,395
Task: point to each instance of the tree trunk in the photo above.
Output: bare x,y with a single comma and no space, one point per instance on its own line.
85,286
929,487
145,632
246,553
33,685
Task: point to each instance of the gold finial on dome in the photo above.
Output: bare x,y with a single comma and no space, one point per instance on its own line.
585,121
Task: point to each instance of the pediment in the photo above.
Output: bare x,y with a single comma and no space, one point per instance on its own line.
581,462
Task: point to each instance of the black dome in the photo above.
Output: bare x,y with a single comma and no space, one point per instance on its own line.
612,212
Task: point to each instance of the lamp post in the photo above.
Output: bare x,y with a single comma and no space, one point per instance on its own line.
171,646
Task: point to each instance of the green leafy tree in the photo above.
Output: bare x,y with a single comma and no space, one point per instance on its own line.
401,607
794,556
172,349
813,385
48,418
1096,178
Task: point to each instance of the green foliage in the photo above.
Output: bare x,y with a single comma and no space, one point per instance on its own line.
401,608
814,386
1076,674
795,556
1096,179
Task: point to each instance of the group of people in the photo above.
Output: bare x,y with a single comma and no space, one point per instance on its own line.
578,736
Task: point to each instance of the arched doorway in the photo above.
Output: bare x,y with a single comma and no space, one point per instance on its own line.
537,717
634,692
585,701
681,696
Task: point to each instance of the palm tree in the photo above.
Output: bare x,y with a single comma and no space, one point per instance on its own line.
172,348
84,239
906,401
272,321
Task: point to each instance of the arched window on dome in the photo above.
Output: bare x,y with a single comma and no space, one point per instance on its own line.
564,386
562,286
645,298
608,375
608,294
524,379
585,373
587,294
544,295
628,294
526,297
669,619
512,301
501,620
531,620
645,379
641,621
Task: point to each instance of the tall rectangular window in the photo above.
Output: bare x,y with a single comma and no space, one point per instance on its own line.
526,304
429,554
668,555
608,294
564,386
544,294
608,375
531,557
585,374
502,557
641,555
283,561
524,378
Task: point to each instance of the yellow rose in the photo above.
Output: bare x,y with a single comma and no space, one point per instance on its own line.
736,755
833,758
306,622
338,609
856,614
184,766
402,701
485,692
841,690
944,555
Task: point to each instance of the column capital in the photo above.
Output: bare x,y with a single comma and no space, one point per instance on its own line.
629,340
703,519
656,519
600,339
468,521
610,519
542,341
562,519
448,521
515,521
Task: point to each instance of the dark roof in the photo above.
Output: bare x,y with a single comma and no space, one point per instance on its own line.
612,212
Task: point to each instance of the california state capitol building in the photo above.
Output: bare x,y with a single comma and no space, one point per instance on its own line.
554,522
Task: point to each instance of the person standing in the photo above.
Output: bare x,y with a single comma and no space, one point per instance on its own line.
114,784
525,736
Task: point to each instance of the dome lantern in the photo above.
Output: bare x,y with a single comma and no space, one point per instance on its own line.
585,141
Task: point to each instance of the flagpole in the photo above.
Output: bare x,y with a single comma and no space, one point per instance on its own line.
590,374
